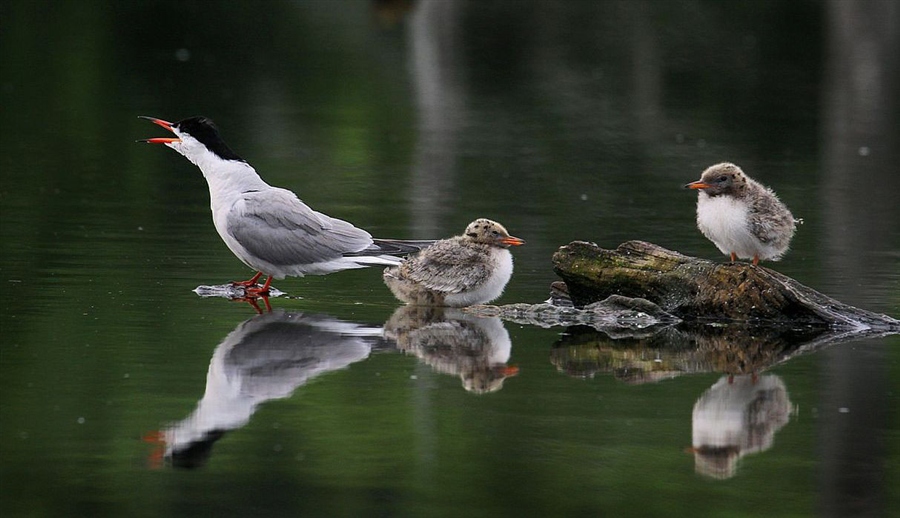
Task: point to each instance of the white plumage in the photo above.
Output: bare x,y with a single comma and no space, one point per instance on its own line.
743,218
268,228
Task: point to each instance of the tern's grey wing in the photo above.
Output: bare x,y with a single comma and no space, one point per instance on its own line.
277,227
448,267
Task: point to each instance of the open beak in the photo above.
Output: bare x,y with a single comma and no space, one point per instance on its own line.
512,241
164,124
697,185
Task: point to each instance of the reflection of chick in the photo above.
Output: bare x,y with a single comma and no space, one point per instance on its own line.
264,358
737,416
469,269
452,342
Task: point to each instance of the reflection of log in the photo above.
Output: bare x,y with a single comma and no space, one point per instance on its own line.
698,289
685,349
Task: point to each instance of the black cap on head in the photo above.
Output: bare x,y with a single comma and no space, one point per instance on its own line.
205,131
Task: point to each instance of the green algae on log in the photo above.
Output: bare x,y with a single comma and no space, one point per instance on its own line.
691,288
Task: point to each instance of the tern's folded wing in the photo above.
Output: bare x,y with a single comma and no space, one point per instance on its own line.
277,227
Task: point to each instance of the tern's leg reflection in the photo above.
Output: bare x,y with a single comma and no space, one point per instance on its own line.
252,300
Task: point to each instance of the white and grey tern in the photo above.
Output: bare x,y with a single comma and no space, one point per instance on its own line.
269,228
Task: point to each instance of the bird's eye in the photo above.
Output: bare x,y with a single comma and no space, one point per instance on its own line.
495,233
723,178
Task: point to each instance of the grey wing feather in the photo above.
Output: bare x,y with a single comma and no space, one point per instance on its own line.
394,247
769,229
449,273
277,227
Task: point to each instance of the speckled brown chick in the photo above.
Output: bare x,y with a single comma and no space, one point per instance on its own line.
742,217
460,271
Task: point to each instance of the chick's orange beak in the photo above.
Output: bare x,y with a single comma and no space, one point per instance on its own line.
512,241
697,185
508,371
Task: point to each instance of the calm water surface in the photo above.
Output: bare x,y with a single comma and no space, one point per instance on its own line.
123,393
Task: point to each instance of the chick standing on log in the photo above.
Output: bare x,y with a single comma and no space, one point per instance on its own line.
460,271
742,217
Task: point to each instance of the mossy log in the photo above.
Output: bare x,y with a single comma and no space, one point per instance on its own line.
701,290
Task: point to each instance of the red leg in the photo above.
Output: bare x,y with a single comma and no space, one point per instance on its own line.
254,291
733,257
249,282
755,260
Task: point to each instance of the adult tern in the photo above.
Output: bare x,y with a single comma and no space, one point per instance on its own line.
269,228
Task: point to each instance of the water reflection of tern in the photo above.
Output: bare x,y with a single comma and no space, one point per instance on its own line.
453,342
266,357
737,416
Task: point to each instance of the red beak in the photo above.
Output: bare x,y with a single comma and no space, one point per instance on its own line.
697,185
164,124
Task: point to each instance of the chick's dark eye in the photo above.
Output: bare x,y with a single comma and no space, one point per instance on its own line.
722,178
496,233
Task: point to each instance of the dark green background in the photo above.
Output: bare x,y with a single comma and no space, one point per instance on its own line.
562,120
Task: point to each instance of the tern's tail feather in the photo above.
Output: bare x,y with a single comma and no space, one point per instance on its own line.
392,247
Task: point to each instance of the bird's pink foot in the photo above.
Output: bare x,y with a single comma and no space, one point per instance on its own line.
755,260
733,257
